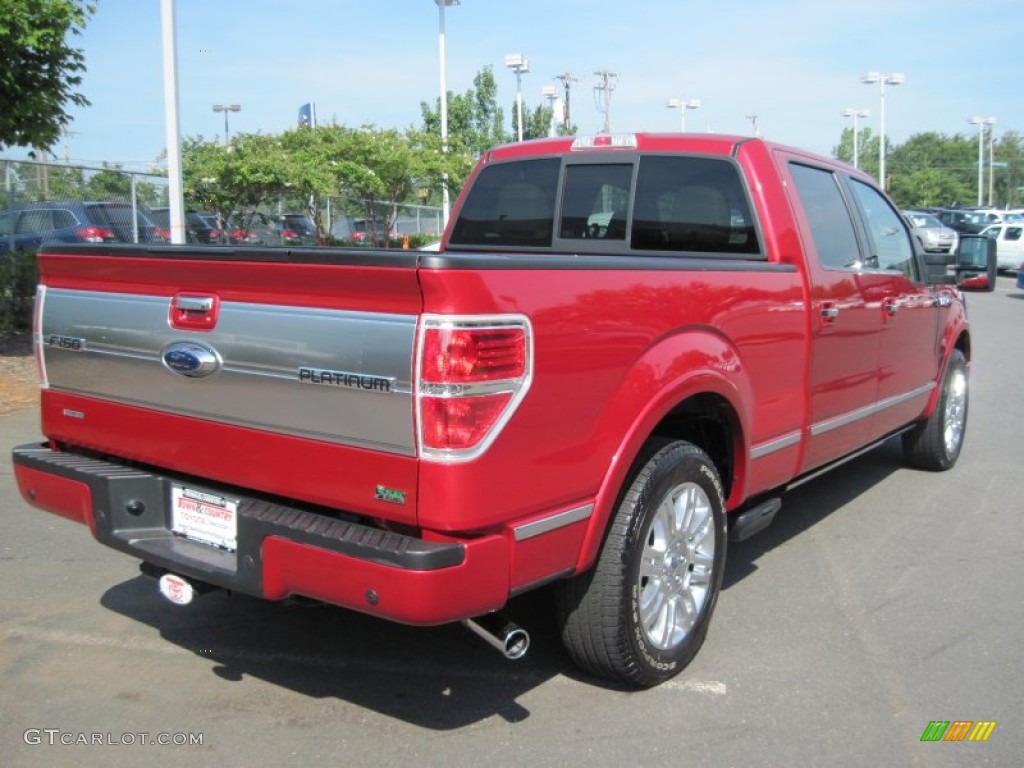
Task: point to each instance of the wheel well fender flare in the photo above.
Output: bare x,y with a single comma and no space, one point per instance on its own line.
703,377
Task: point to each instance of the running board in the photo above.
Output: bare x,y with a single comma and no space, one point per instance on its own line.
754,520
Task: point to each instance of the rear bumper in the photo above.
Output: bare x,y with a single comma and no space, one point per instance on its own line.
281,551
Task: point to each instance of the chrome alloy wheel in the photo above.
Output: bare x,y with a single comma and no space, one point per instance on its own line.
955,412
676,566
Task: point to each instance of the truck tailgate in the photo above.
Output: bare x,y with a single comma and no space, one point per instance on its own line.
188,356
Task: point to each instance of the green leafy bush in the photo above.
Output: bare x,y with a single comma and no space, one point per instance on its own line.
19,274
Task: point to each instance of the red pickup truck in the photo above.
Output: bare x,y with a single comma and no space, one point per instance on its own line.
625,351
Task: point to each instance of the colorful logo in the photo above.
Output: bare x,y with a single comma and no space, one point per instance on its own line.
958,730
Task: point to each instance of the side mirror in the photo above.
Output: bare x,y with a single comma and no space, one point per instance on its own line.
975,262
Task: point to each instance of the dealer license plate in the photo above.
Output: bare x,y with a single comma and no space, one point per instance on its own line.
204,517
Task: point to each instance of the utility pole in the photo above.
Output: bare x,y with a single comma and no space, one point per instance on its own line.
603,94
567,81
67,149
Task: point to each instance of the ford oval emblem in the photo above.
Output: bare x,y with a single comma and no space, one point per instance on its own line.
187,358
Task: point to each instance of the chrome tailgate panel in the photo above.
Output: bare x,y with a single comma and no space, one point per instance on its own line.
333,375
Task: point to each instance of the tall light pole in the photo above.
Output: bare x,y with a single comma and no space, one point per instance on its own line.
894,78
682,105
225,108
520,65
981,122
991,162
172,124
551,94
856,113
443,55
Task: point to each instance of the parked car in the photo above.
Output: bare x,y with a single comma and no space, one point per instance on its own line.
198,228
362,231
934,236
1009,239
958,219
29,226
294,229
986,217
973,220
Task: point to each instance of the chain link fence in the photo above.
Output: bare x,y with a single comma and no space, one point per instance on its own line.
43,203
345,220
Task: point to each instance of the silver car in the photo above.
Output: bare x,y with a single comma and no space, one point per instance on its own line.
934,236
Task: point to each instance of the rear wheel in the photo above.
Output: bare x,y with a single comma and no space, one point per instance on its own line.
641,614
936,442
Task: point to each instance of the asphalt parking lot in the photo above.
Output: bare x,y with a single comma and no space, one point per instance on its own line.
882,599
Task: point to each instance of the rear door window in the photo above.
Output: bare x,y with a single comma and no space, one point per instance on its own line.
64,220
35,221
832,229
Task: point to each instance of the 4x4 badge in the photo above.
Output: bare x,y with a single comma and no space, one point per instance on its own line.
389,495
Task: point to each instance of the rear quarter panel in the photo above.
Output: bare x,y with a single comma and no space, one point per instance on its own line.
615,349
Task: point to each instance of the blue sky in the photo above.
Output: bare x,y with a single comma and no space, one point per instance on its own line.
796,64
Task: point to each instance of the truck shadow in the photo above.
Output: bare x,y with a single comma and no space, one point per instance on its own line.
809,504
440,678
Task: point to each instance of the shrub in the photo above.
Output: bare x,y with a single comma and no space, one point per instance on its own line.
19,274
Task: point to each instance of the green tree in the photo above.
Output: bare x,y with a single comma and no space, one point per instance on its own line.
39,71
475,121
475,125
111,183
372,169
233,180
319,163
1009,178
536,122
865,140
64,182
930,169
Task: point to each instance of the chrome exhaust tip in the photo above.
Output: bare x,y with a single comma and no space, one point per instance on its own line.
511,640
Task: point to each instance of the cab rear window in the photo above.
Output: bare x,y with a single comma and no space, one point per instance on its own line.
673,203
510,204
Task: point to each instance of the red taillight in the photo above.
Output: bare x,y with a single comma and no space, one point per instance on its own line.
455,424
162,234
289,234
453,355
471,375
94,234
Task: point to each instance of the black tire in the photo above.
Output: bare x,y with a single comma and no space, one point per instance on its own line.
935,443
641,622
